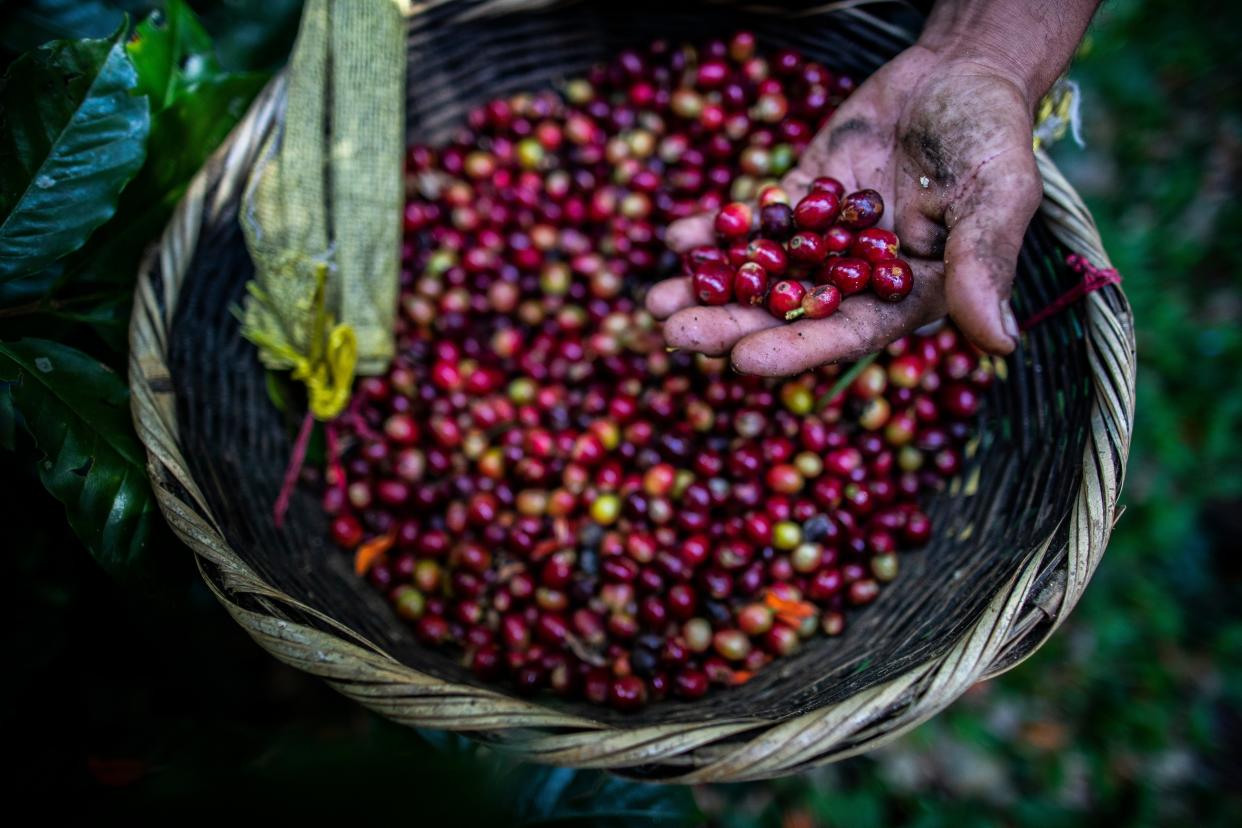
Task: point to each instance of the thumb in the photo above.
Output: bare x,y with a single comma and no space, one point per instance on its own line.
981,253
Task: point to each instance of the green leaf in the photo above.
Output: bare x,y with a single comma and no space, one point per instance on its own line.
171,51
182,137
28,289
184,134
73,134
107,316
77,411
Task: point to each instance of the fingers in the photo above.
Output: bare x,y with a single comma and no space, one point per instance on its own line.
715,330
862,325
667,297
918,214
981,255
921,237
686,233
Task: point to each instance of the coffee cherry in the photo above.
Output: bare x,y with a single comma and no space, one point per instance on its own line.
784,478
346,531
697,633
750,285
959,400
917,530
697,256
776,221
785,296
754,619
409,602
731,644
769,255
733,220
690,684
819,302
781,640
596,684
861,209
816,211
884,567
828,184
432,629
772,194
713,283
806,557
712,73
850,276
906,371
875,245
742,46
627,693
863,591
837,240
786,535
807,248
832,623
892,280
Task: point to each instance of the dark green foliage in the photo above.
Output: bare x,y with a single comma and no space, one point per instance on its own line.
77,411
73,134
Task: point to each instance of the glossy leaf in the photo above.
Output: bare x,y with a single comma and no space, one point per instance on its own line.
171,51
182,137
107,316
72,135
32,288
77,411
186,133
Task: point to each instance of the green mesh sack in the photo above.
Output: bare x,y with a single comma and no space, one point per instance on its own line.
321,212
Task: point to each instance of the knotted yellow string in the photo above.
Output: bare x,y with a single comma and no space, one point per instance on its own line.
327,365
1056,113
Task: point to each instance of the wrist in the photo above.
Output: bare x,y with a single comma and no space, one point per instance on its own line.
1028,45
980,52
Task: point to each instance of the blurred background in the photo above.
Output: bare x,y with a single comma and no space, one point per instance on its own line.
137,690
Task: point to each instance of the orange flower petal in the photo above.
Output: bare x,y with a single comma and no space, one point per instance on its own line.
371,551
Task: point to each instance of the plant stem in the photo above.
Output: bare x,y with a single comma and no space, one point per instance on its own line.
844,381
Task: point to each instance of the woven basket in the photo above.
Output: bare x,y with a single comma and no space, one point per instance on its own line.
1018,534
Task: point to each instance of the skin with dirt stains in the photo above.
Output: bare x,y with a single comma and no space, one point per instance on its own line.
943,132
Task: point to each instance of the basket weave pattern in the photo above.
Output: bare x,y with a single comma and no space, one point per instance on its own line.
1018,535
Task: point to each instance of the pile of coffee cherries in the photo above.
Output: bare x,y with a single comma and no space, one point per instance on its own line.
540,487
800,261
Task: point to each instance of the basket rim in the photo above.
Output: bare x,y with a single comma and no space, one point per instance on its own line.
1015,623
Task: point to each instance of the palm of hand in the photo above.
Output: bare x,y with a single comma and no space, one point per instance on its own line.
948,145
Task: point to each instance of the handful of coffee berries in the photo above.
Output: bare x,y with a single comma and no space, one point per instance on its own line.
800,261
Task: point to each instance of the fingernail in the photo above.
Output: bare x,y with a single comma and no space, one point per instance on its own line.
1008,322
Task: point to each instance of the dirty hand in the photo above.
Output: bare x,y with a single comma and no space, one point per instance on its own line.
944,134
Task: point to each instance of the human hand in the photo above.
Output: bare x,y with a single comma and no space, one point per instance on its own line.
947,142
